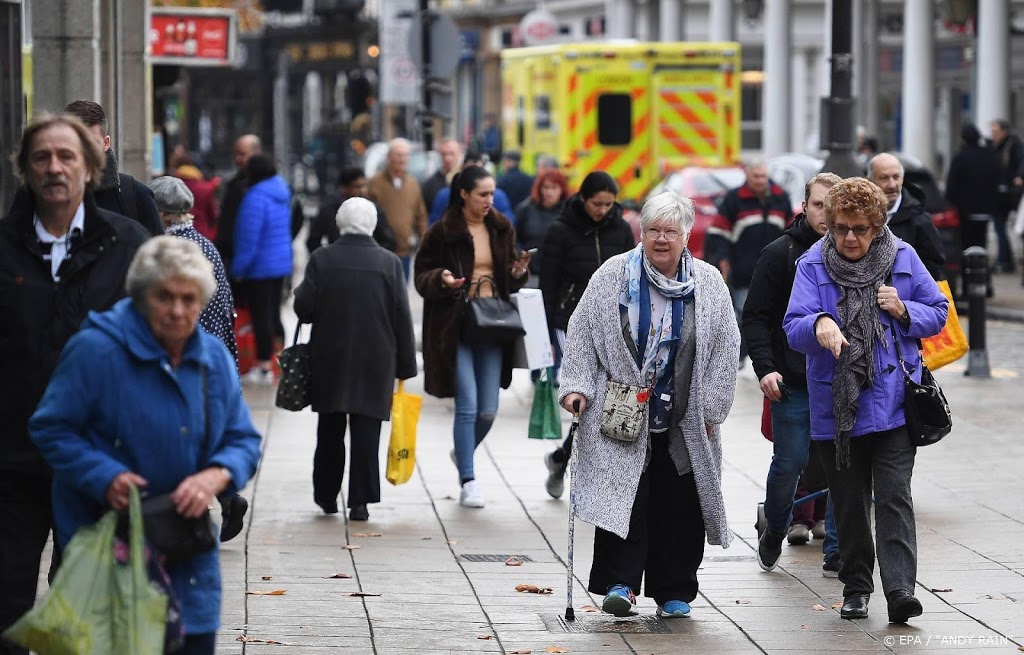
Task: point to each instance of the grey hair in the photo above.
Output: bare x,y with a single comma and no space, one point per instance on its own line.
356,216
669,206
755,162
398,142
165,258
177,219
874,160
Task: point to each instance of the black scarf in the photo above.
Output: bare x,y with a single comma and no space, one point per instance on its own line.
859,317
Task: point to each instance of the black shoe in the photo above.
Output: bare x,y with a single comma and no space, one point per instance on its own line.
359,513
328,506
903,606
769,549
831,567
232,517
855,606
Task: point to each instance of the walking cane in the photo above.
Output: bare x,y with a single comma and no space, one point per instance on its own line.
570,614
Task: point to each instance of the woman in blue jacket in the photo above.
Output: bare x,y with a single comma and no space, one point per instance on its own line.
263,257
856,290
142,397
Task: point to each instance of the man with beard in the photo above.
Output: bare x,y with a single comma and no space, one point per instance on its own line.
61,256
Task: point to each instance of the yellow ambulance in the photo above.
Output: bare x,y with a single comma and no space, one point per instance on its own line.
634,110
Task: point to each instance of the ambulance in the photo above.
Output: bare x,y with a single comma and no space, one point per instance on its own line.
635,110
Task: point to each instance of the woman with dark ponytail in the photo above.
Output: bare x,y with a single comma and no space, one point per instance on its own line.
471,242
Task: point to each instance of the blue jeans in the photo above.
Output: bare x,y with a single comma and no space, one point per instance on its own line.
791,426
739,298
405,266
830,547
477,382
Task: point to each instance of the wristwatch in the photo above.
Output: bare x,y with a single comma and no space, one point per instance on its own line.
905,316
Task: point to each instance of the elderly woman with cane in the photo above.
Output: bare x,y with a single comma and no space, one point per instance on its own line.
650,362
861,297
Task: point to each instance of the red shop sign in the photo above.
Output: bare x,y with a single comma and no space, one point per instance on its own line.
192,37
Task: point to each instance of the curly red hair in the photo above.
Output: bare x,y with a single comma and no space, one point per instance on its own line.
856,196
550,177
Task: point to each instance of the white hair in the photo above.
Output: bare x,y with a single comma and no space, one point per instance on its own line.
165,258
356,216
668,206
398,142
754,162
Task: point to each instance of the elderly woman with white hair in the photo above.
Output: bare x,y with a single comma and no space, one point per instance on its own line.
142,397
362,340
649,363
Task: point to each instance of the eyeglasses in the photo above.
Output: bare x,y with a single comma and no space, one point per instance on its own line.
843,230
670,235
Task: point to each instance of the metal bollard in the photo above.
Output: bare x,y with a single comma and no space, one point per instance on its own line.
976,283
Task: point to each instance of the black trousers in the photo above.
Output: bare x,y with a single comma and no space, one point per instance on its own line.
665,544
329,459
882,462
25,508
264,298
204,644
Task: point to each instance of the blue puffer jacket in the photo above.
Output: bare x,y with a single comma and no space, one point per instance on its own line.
263,233
116,404
815,294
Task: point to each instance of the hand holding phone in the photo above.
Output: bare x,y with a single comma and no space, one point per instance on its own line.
783,391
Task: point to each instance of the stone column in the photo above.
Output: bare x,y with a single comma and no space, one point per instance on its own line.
618,19
866,69
993,76
721,21
670,20
132,91
65,52
777,114
801,99
918,114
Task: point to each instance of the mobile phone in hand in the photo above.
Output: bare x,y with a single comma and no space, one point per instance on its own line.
783,391
531,252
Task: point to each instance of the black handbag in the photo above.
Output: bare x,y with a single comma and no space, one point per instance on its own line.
492,321
174,536
295,389
924,405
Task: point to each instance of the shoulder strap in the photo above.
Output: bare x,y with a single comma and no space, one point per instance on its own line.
126,195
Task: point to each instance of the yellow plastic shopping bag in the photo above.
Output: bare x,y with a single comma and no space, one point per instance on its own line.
950,344
405,414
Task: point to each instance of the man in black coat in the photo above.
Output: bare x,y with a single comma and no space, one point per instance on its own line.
780,367
451,163
908,219
351,184
61,256
515,183
1009,151
972,186
115,192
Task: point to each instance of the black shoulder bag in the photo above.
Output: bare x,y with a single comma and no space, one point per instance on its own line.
295,390
174,536
491,320
924,405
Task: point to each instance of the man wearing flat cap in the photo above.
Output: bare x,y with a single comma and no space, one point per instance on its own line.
515,183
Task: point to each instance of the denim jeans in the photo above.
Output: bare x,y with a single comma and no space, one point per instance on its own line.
1005,256
791,426
830,546
477,382
406,267
739,298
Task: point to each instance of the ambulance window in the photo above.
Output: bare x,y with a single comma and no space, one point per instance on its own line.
614,119
543,112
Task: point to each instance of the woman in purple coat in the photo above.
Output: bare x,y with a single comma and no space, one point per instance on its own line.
855,290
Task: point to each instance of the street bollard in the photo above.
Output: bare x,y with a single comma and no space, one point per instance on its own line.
976,283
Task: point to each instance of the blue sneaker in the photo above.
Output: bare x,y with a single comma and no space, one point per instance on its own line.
620,601
674,609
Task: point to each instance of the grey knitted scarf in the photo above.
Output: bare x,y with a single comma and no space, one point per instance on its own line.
859,318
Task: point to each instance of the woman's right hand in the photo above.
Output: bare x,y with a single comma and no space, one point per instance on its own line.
121,486
570,399
830,337
450,280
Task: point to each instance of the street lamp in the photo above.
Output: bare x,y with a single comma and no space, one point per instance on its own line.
840,103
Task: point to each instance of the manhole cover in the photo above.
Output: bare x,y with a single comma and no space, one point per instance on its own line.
602,623
478,557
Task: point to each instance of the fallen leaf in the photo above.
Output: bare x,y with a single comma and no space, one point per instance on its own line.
534,589
268,577
352,546
805,627
452,542
589,608
556,649
513,561
995,596
276,592
253,640
818,608
339,576
425,538
837,606
368,534
940,591
362,594
1020,648
525,651
742,601
448,498
485,637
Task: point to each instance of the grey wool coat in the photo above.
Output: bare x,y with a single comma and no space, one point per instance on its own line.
606,473
362,339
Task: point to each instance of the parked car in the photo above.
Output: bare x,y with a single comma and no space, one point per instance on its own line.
791,171
705,186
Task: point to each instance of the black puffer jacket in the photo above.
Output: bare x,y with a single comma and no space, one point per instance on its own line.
532,224
913,224
767,301
38,315
575,246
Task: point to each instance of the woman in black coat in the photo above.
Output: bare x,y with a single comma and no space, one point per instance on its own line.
589,231
354,295
536,214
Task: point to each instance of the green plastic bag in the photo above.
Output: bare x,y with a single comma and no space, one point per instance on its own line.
96,606
544,414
